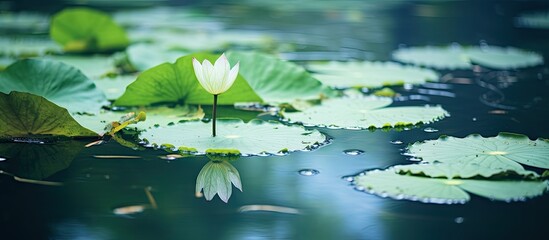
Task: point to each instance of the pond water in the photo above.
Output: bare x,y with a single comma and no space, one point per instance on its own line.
306,195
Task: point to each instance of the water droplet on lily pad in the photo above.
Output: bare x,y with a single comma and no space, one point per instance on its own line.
353,152
459,220
308,172
430,130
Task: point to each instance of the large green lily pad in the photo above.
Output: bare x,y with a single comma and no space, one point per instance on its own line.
253,138
389,183
156,117
84,29
216,177
27,115
459,170
177,83
262,78
94,67
38,161
277,81
503,58
457,57
369,74
504,151
364,112
55,81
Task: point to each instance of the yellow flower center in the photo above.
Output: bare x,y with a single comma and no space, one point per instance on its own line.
453,182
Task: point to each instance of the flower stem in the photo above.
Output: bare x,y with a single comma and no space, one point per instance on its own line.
213,114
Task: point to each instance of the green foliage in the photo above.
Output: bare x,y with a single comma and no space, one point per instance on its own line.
504,151
253,138
60,83
27,115
87,30
364,113
177,83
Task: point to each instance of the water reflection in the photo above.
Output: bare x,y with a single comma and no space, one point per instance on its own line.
217,177
37,161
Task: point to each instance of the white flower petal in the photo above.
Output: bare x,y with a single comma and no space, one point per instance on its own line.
216,78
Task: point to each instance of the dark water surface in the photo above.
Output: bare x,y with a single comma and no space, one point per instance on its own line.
323,205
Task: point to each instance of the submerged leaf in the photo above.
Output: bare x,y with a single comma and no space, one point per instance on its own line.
504,151
370,74
253,138
27,115
55,81
388,183
364,112
503,58
84,29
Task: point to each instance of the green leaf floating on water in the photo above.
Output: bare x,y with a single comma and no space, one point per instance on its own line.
216,177
156,117
143,56
94,66
177,83
457,57
87,30
275,80
369,74
504,151
38,161
262,78
27,115
459,170
253,138
60,83
389,183
503,58
364,112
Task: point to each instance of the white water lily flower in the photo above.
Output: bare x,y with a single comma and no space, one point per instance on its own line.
218,78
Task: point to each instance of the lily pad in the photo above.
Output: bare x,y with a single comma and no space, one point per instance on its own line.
26,47
459,170
27,115
177,83
253,138
388,183
216,177
84,29
534,20
38,161
277,81
261,78
55,81
503,58
504,151
457,57
363,113
156,117
369,74
94,67
452,57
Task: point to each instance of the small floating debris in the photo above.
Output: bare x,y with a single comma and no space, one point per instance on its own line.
308,172
430,130
3,159
353,152
130,210
116,156
96,143
172,156
396,142
268,208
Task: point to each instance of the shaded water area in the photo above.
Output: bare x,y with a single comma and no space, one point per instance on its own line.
305,195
